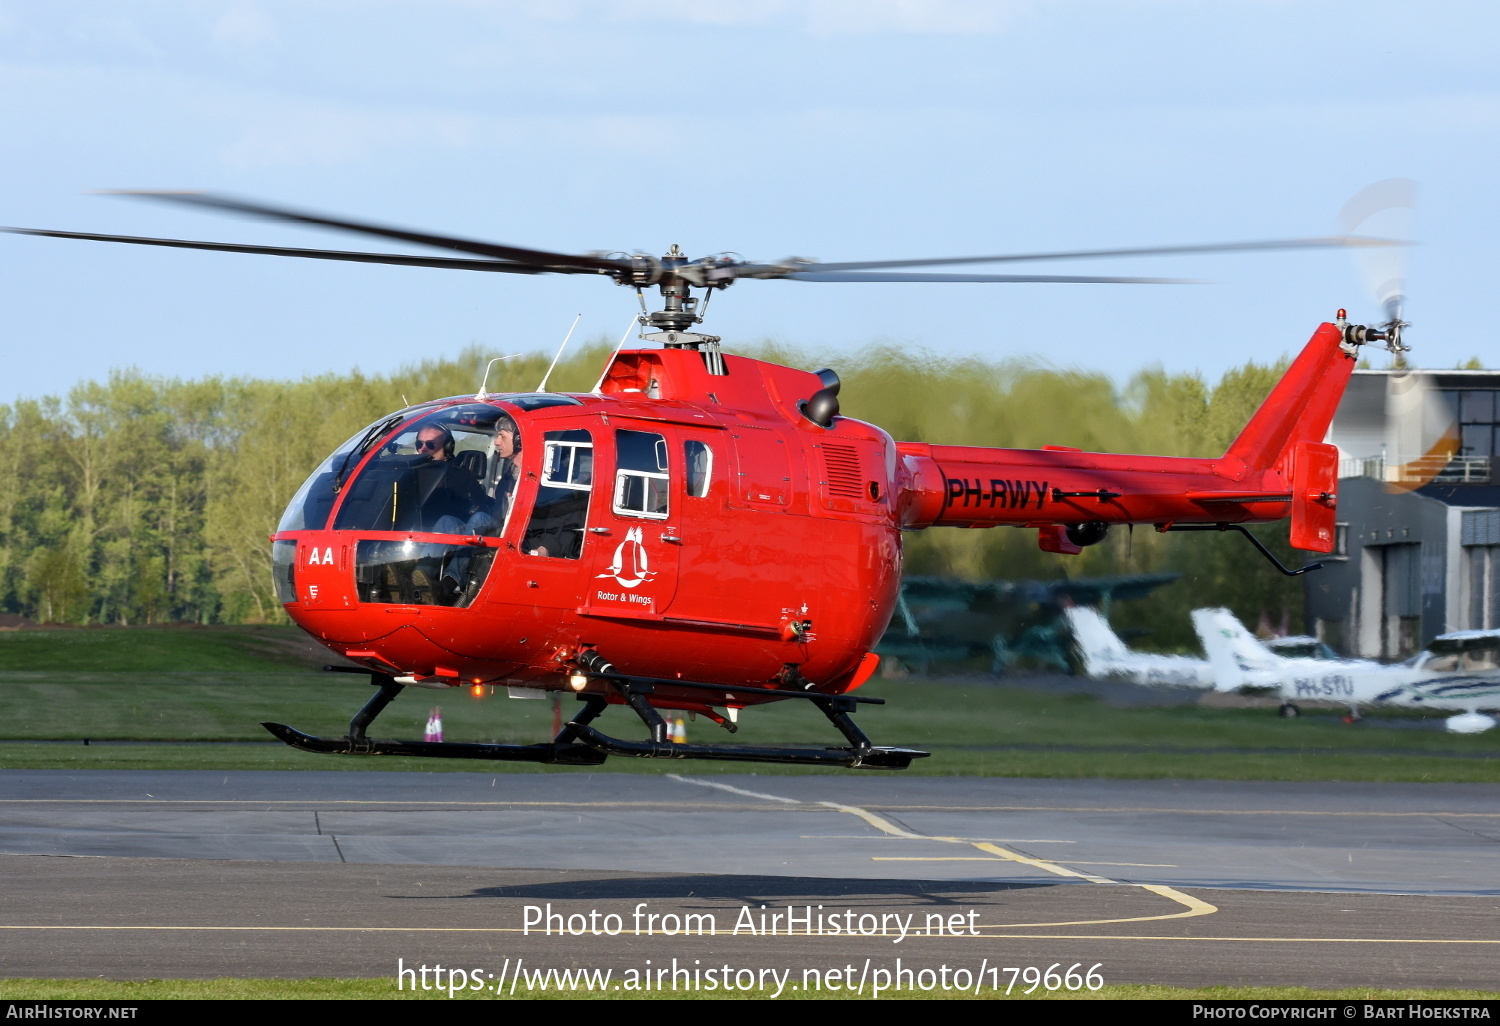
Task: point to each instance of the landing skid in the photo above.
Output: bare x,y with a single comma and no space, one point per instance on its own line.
849,758
579,744
552,755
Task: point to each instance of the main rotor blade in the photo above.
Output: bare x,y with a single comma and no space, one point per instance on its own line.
450,263
488,249
1321,242
1071,279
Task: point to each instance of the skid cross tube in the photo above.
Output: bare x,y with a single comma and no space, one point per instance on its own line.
389,689
559,752
728,689
837,708
635,694
594,705
1242,529
860,754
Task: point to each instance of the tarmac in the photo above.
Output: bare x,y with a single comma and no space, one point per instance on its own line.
134,874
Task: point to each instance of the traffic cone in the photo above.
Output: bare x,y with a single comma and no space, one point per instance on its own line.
434,725
678,732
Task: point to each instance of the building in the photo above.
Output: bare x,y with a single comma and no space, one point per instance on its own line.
1418,543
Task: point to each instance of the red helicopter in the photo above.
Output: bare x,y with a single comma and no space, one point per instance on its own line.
703,531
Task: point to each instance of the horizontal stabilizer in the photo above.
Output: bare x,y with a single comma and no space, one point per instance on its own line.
1239,498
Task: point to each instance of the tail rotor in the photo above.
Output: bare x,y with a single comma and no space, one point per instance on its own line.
1384,209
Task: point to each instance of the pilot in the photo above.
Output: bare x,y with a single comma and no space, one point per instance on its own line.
455,503
435,442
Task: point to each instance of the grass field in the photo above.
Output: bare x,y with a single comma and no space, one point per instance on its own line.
382,989
213,686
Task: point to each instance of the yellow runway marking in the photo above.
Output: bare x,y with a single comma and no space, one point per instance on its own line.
668,805
1194,906
992,840
987,858
1051,867
827,936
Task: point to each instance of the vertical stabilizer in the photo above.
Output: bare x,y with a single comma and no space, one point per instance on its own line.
1232,651
1301,406
1100,648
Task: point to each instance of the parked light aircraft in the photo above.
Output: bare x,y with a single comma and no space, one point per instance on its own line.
1459,671
1105,656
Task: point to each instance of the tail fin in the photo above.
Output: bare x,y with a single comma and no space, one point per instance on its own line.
1301,406
1097,644
1231,650
1286,435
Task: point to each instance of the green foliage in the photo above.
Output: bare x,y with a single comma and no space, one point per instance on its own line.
148,500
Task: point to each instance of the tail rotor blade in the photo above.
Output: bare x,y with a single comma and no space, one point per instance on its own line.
1384,208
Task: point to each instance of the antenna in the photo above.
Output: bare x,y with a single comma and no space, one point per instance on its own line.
543,386
482,395
611,361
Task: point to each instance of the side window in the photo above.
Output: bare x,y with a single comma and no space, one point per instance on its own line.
568,463
699,459
641,478
562,499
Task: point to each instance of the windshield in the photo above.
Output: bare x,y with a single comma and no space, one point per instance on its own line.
309,508
453,471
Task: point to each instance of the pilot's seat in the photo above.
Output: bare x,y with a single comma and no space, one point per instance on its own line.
471,460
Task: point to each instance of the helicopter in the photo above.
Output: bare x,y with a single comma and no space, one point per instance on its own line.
703,531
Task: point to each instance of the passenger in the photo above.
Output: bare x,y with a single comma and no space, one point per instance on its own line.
505,470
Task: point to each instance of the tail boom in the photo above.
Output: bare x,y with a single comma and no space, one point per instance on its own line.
1276,467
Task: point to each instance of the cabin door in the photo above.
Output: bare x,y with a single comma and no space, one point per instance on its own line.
636,536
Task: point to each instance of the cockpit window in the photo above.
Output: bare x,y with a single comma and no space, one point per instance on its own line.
540,400
309,508
453,471
1464,654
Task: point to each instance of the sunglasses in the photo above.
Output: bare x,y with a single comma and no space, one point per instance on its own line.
433,443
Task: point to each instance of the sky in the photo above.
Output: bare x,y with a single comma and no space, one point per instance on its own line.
830,129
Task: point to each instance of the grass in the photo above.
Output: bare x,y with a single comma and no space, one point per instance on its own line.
111,685
385,988
175,649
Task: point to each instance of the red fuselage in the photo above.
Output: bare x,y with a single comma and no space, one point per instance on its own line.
693,525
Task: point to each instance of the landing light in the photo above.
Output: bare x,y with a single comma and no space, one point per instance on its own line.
577,681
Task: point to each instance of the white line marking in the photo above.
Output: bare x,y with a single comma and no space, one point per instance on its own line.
734,790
